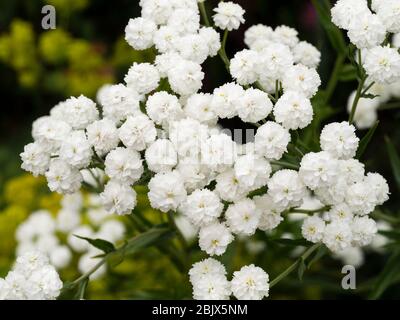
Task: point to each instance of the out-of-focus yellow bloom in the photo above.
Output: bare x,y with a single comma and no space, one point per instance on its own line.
53,45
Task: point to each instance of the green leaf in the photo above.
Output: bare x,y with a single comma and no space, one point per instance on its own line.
322,251
369,96
366,140
334,34
147,239
387,276
348,73
395,235
80,293
302,267
101,244
394,160
291,242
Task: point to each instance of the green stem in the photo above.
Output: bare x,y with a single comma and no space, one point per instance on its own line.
294,265
295,210
360,87
222,52
285,164
90,272
171,221
203,13
367,88
332,83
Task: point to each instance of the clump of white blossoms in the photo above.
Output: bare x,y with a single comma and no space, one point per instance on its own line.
170,141
32,278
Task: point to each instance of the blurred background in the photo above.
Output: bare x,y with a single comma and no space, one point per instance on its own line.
39,68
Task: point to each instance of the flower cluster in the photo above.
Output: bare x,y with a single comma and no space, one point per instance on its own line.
32,278
158,129
208,278
43,232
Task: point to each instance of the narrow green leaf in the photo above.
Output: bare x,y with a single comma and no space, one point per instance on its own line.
369,96
101,244
387,276
147,239
366,140
80,294
395,235
302,267
348,73
334,34
322,251
394,160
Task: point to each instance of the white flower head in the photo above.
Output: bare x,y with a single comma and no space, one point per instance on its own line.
313,229
228,16
139,33
250,283
215,238
243,217
271,140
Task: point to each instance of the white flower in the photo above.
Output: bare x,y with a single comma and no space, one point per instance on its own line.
63,178
347,11
286,35
50,132
118,198
87,262
254,106
382,64
156,10
366,112
215,238
103,136
218,152
185,77
337,236
137,132
77,244
60,257
340,212
124,165
195,175
360,198
351,170
334,192
389,12
198,107
211,287
39,223
212,40
76,150
228,186
340,140
111,230
142,77
192,47
293,110
275,59
286,189
270,213
318,169
35,158
80,112
161,156
67,220
165,62
351,256
250,283
313,229
166,191
204,268
364,230
257,32
119,102
243,217
163,108
225,99
252,171
306,54
139,33
379,187
271,140
228,16
301,79
243,67
165,38
187,135
185,20
367,31
202,207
